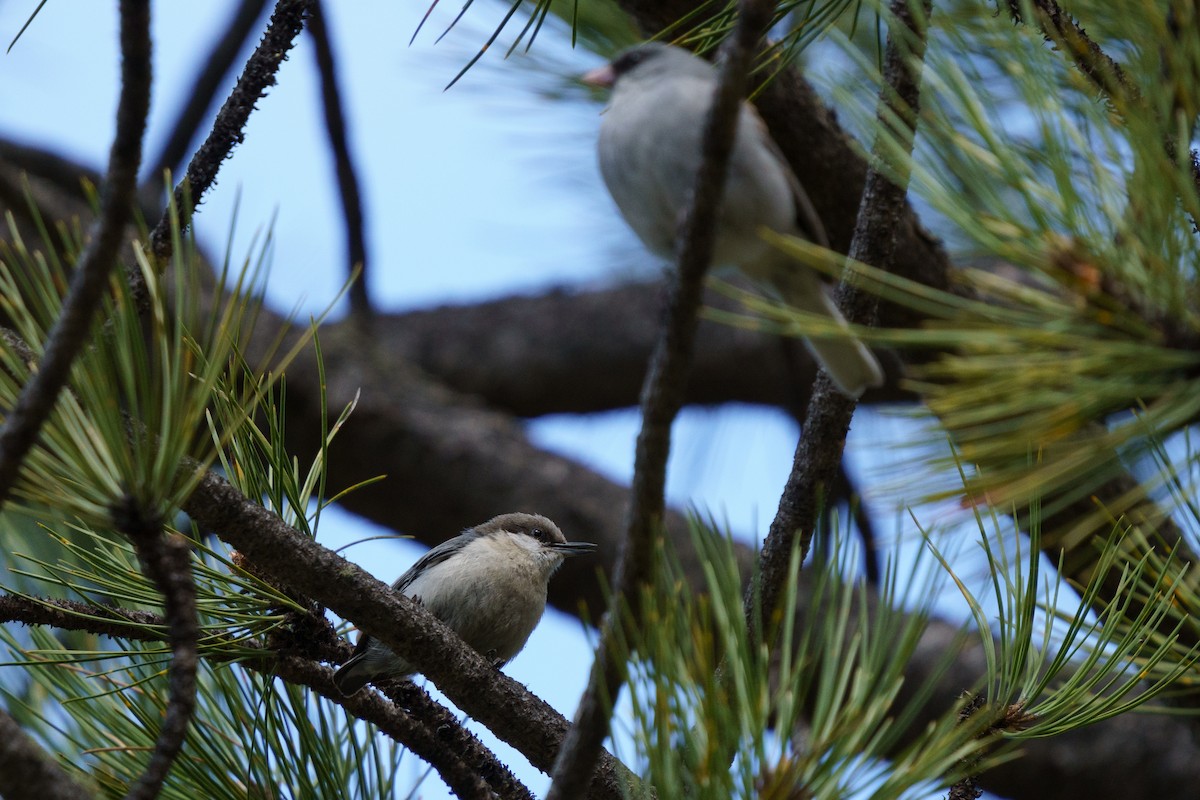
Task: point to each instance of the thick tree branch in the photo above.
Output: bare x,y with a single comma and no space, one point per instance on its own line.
27,772
24,421
566,368
227,132
63,175
347,178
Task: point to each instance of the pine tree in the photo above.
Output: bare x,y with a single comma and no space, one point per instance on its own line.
169,444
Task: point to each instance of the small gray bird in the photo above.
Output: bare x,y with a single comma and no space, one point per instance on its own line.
650,145
488,584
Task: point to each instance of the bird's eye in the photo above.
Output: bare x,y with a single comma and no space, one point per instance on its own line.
538,534
627,61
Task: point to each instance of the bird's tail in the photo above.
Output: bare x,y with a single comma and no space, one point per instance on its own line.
853,367
352,675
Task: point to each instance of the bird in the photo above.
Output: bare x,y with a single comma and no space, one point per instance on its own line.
649,152
488,584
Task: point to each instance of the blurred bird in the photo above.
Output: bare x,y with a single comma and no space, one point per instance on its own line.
650,150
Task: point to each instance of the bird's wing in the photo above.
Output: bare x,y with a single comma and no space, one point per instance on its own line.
807,220
432,558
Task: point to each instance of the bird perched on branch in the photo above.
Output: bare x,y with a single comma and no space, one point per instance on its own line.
650,150
488,584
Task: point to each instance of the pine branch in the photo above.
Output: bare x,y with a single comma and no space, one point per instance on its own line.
819,451
70,615
228,129
1105,73
454,738
1060,29
967,787
215,65
437,746
90,277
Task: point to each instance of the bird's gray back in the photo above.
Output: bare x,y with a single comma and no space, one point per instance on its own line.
650,144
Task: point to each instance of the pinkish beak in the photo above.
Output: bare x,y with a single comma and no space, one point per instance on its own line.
600,77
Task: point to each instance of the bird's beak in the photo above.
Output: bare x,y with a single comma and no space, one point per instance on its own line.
599,78
573,548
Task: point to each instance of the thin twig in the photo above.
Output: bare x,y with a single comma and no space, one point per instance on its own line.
214,67
27,772
662,396
967,787
413,719
166,560
845,489
1061,30
823,436
1105,73
347,177
72,615
90,277
228,129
